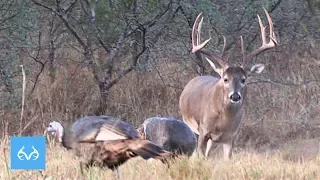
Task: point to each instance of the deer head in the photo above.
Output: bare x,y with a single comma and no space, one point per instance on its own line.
233,78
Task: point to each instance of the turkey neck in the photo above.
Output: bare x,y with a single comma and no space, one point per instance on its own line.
68,138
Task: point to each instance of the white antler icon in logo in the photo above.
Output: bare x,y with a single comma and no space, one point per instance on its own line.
34,154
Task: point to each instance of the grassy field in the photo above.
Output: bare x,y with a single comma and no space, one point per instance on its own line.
62,164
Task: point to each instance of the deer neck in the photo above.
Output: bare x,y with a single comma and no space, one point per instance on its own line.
231,110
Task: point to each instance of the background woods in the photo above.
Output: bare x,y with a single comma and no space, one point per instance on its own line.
131,59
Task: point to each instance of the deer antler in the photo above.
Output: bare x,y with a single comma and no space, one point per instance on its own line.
265,46
198,48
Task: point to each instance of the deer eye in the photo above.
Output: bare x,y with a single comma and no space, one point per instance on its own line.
243,80
225,80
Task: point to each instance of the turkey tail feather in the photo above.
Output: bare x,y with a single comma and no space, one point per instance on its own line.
147,150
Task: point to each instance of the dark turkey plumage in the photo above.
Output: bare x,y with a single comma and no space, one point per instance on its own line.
171,134
108,142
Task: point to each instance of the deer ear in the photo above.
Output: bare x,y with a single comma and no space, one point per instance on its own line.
215,66
257,69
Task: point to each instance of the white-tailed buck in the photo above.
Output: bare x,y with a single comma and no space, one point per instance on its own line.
213,107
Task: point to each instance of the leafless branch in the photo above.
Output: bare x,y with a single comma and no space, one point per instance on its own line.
9,9
118,45
200,64
64,19
44,6
143,38
120,76
158,16
152,22
239,26
68,9
166,84
187,16
275,5
84,5
143,29
134,60
42,64
97,30
281,83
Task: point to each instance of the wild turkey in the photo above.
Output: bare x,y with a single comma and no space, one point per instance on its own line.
105,141
55,130
170,134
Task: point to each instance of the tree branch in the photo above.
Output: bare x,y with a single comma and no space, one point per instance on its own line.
7,11
97,30
65,21
168,85
120,76
68,9
36,60
118,45
283,83
158,16
134,60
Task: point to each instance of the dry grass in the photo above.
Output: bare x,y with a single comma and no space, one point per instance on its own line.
62,164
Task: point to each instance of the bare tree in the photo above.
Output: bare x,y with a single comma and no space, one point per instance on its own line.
131,41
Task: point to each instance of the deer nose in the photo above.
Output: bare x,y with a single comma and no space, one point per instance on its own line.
235,97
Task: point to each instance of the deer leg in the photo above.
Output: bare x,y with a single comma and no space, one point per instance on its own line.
227,149
117,173
202,143
209,147
81,168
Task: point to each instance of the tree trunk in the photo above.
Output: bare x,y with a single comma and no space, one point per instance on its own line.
104,94
51,61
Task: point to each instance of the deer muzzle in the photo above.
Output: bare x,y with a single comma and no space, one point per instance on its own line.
235,97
